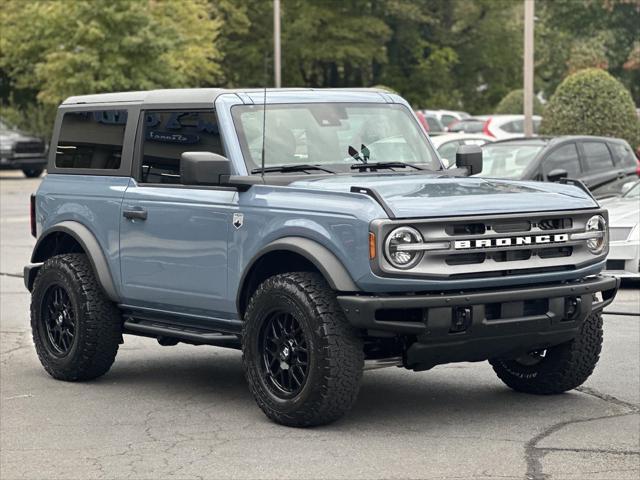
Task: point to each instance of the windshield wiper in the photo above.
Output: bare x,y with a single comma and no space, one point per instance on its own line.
291,168
374,166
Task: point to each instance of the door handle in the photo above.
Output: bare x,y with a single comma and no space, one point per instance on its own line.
135,213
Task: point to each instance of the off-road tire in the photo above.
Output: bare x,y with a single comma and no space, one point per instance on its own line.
98,323
32,172
563,368
336,357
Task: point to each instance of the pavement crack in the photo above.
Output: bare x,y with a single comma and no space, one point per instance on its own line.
534,454
609,399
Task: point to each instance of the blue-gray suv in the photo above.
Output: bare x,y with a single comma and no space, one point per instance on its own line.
316,230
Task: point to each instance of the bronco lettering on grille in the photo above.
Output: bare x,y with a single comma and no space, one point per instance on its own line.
511,241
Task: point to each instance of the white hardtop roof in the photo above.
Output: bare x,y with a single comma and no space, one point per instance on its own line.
191,96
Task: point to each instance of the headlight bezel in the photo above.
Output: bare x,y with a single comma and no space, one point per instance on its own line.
597,246
417,254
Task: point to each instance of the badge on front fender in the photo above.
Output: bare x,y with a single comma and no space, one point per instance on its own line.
238,220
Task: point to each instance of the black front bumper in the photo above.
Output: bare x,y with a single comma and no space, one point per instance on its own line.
481,324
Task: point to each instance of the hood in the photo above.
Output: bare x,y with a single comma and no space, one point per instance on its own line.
437,195
623,212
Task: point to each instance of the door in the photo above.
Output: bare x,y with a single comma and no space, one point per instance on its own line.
597,164
565,157
173,238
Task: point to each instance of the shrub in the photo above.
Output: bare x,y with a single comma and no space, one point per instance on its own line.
513,104
592,102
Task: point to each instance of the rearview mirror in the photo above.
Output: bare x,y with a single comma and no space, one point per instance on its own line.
204,168
556,174
469,157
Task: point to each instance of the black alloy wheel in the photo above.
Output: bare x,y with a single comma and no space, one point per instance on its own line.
285,355
59,320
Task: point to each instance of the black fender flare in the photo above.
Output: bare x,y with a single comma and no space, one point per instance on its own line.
89,244
321,257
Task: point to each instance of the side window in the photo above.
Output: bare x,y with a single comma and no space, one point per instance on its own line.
167,134
597,156
91,139
624,154
509,127
447,120
448,151
564,157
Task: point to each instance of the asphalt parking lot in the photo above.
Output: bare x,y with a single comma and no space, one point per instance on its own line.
184,412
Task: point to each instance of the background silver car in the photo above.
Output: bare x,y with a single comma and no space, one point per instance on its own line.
624,233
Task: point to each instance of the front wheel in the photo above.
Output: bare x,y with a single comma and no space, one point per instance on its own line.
556,369
302,359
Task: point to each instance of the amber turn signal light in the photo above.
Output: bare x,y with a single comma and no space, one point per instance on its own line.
372,246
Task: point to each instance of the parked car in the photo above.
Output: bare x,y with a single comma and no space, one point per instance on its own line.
467,125
447,144
337,245
603,164
624,233
496,126
430,123
19,151
507,126
446,117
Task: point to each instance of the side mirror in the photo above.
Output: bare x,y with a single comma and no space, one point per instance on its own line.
469,157
556,174
204,168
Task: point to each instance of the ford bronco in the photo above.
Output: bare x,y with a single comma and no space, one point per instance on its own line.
316,230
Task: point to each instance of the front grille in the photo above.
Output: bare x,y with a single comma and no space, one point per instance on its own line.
497,245
29,147
617,234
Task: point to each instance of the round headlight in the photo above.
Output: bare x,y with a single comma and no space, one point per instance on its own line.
597,224
399,247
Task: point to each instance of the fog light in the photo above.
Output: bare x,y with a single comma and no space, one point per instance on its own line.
572,307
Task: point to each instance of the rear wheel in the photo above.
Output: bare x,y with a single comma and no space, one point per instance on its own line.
32,172
302,359
76,329
556,369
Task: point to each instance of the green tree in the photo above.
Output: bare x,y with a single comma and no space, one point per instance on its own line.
589,33
52,49
592,102
513,104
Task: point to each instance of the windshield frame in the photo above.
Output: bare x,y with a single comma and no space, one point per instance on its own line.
338,167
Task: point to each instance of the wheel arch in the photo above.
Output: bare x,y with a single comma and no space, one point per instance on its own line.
73,237
292,254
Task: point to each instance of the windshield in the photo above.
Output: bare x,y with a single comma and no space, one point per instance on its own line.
633,192
507,160
325,134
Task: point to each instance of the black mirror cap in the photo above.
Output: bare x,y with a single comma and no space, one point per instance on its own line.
556,174
204,168
470,158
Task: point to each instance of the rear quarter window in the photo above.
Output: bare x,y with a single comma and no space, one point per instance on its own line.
623,154
91,139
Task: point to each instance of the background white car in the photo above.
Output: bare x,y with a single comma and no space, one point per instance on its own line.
447,144
446,117
500,127
624,233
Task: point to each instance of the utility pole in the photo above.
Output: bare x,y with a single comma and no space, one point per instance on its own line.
529,8
276,44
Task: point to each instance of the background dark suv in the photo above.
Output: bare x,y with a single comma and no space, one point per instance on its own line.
19,151
603,164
